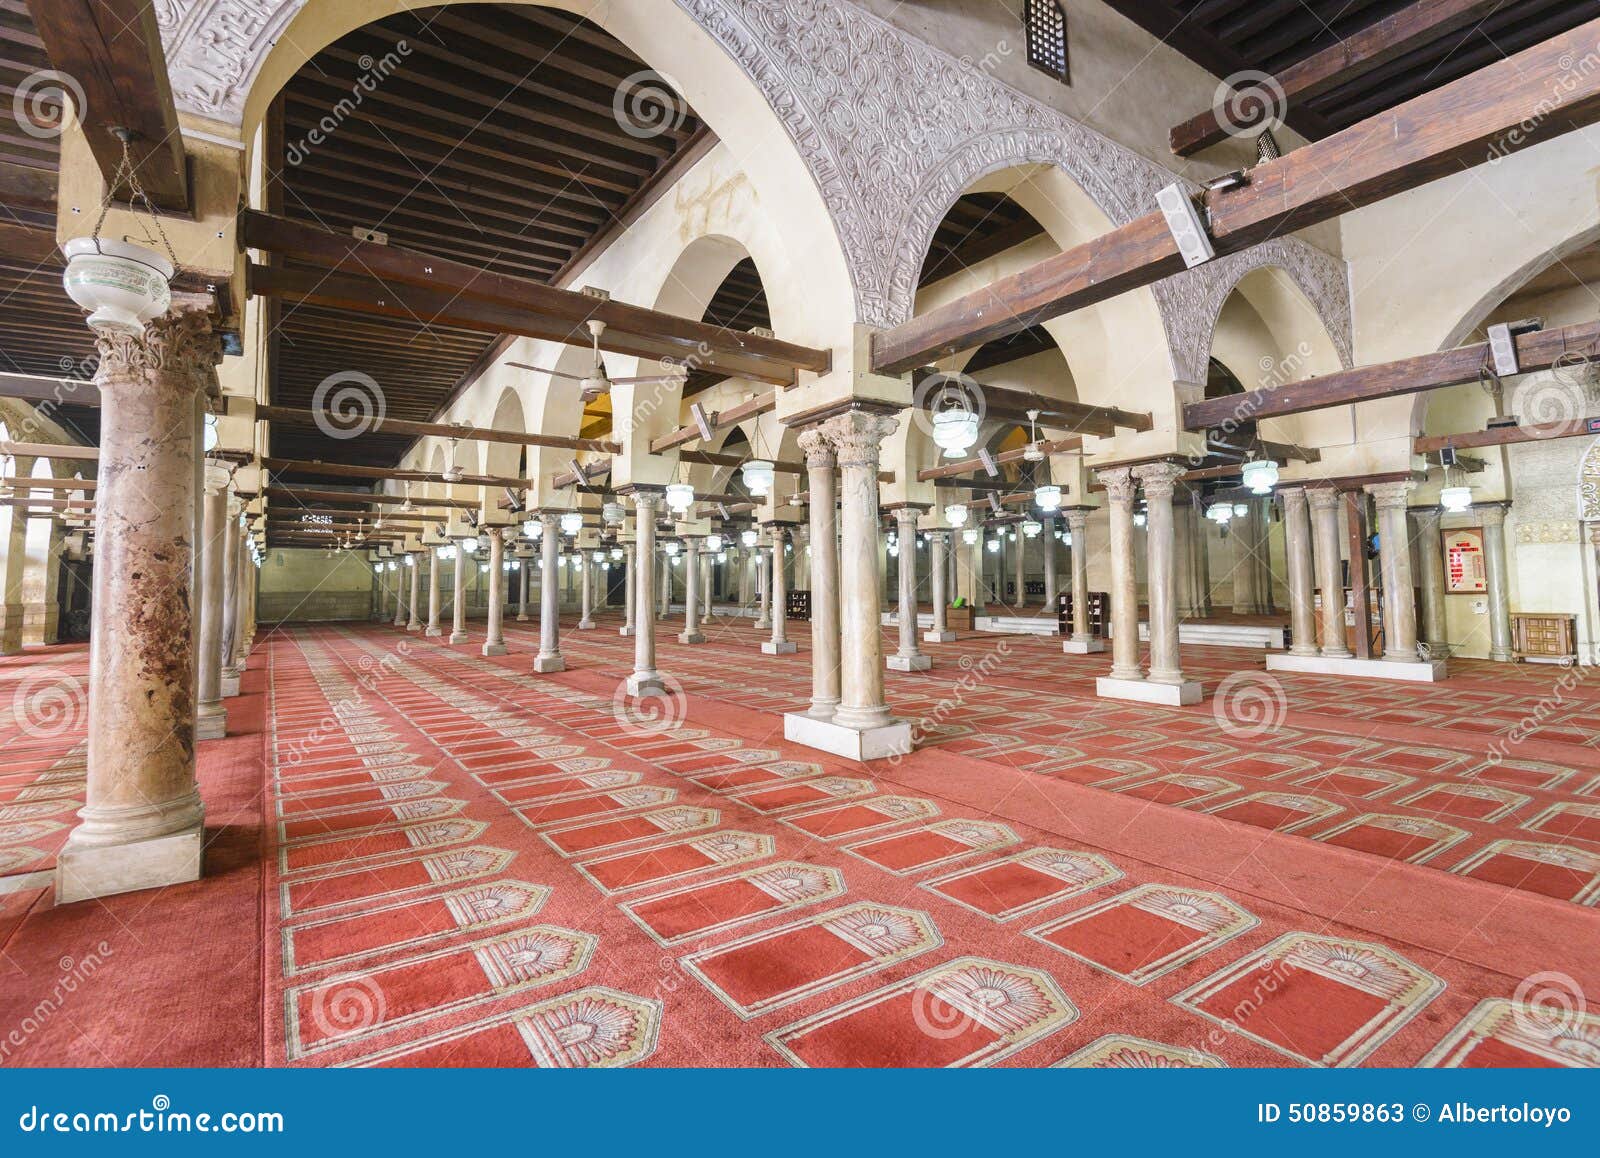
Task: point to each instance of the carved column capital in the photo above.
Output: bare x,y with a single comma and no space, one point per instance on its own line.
1427,517
179,347
1121,486
1160,479
1491,514
1389,496
1076,520
1292,498
1322,498
818,448
857,436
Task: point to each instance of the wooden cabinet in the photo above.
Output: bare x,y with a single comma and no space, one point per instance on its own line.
1543,636
958,618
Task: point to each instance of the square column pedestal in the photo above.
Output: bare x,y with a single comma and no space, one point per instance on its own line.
787,647
548,663
1424,671
1149,691
907,663
939,637
83,874
1083,646
625,632
892,739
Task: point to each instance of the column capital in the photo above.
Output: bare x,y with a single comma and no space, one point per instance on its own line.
1119,483
1389,495
1322,498
856,436
818,448
1428,517
1490,514
217,477
1077,518
179,346
1295,497
1160,479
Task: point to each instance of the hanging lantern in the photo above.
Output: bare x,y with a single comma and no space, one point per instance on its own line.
994,546
1240,510
722,556
1455,499
616,552
1066,538
1261,475
483,568
599,556
470,546
211,433
749,538
713,543
1032,527
613,512
1220,513
969,536
679,496
571,523
533,529
122,285
955,429
1048,498
956,514
671,548
1140,518
757,477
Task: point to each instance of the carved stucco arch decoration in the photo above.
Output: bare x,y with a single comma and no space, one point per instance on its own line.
1589,484
1192,301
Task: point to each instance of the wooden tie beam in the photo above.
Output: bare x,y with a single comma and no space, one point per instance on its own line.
326,419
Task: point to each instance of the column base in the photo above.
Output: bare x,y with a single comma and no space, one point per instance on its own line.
1149,691
646,683
626,632
494,649
434,632
458,637
786,647
413,627
1500,656
907,662
230,686
522,617
585,625
690,637
891,739
1430,671
763,624
939,637
1083,646
82,874
549,663
210,723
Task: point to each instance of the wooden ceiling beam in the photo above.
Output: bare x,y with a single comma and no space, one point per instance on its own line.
325,419
1538,350
1506,435
51,450
1347,59
717,419
362,498
1430,136
968,465
347,470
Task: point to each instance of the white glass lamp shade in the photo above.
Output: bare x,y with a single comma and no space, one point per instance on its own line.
956,514
599,556
571,523
713,543
1455,499
483,568
994,545
757,476
1220,513
749,538
613,512
671,548
1261,475
955,430
533,529
1139,518
969,536
122,285
1031,528
211,433
1048,498
722,556
616,552
679,496
1240,510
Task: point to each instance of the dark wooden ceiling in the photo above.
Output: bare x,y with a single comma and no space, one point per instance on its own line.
978,226
493,140
1233,36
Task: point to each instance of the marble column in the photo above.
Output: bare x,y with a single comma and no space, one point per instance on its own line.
1047,544
1493,517
523,567
1435,629
1394,564
1083,640
645,680
549,658
458,597
399,595
211,717
1297,554
1184,554
691,591
1262,533
938,575
494,642
1245,568
664,607
586,570
629,586
907,656
1020,565
1200,542
141,824
764,587
230,600
856,437
433,593
415,622
821,461
1324,503
1121,488
1160,480
779,644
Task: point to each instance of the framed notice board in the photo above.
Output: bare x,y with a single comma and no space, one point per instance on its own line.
1464,571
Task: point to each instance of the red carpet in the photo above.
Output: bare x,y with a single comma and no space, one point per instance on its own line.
468,864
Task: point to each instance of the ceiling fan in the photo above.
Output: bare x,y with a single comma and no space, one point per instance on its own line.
453,472
1034,452
597,382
